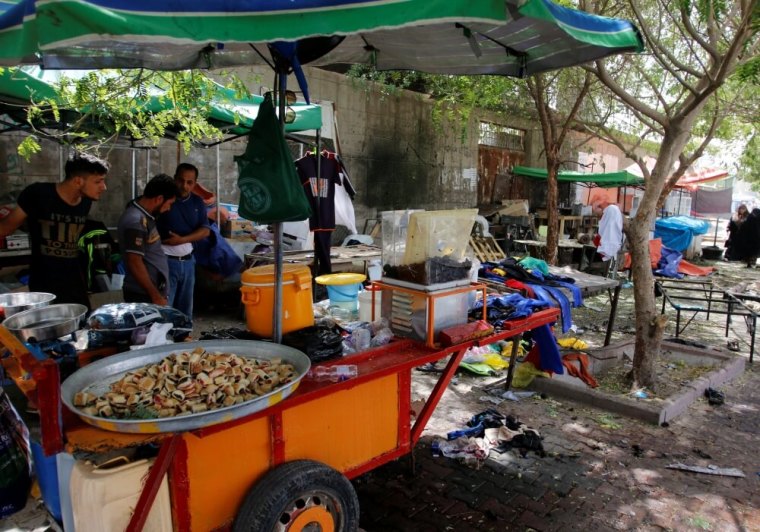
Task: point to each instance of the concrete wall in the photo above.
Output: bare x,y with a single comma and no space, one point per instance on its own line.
397,156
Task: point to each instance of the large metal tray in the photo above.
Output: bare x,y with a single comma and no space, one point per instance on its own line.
98,376
46,323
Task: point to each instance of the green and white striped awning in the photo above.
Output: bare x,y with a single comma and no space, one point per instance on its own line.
499,37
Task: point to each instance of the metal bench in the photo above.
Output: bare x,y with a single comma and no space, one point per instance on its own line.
700,296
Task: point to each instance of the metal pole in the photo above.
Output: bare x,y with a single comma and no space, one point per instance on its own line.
134,174
317,266
281,82
218,206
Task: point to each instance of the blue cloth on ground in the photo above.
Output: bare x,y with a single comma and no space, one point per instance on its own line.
668,263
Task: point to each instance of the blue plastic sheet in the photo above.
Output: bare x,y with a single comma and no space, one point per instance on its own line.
668,264
676,232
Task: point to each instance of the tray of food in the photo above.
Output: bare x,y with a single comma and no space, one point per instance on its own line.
183,386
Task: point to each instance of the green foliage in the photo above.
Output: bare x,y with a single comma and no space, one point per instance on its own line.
102,107
28,147
749,164
455,97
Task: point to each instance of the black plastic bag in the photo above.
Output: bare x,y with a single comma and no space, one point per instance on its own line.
319,342
15,465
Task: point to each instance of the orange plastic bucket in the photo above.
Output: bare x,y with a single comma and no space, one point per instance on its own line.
258,297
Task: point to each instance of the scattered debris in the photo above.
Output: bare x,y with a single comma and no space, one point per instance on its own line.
702,454
516,396
490,399
607,421
714,397
486,431
709,470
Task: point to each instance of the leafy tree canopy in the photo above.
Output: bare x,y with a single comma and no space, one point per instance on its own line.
101,107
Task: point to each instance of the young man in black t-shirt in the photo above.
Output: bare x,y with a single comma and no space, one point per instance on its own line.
55,214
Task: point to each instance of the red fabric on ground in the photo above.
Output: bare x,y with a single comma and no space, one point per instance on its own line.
655,253
580,371
688,268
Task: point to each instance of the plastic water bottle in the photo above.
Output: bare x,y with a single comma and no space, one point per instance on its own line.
361,338
335,373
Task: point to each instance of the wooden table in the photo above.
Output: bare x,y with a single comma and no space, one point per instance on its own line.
592,285
537,248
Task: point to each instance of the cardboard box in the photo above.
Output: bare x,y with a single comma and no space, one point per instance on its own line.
17,241
238,227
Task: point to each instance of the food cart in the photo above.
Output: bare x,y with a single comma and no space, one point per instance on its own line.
285,466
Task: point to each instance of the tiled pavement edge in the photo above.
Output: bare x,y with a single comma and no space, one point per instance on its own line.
602,472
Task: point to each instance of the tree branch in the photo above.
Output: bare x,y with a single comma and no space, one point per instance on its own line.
660,52
576,106
603,75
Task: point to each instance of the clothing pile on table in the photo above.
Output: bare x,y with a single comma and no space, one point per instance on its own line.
532,277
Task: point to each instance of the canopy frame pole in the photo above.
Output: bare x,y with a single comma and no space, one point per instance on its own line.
218,186
280,85
317,266
134,173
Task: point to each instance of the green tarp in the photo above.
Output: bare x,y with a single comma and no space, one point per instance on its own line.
605,180
18,86
493,37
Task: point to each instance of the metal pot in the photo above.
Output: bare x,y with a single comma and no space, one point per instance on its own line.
15,302
46,323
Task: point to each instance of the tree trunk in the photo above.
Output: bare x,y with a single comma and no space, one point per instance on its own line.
552,211
650,326
649,330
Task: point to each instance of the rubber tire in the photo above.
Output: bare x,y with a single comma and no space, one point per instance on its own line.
270,497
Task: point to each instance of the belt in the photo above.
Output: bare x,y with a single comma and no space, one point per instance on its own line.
184,257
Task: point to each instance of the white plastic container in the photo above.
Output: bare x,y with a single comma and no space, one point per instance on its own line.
365,304
103,499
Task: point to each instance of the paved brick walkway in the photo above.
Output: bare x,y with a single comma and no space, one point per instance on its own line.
602,472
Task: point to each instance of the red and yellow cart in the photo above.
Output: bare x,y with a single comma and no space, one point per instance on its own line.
285,467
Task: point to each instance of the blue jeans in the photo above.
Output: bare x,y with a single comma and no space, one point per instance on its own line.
181,285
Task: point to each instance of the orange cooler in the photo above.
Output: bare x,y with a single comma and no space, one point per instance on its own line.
258,298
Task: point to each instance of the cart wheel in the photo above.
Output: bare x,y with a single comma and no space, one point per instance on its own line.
300,495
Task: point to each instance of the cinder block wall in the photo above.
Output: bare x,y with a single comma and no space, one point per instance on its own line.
396,155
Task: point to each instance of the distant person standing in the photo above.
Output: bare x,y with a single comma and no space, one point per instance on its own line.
180,227
147,278
749,238
733,245
55,214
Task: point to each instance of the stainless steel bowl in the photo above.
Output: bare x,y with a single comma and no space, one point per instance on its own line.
97,377
15,302
46,323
